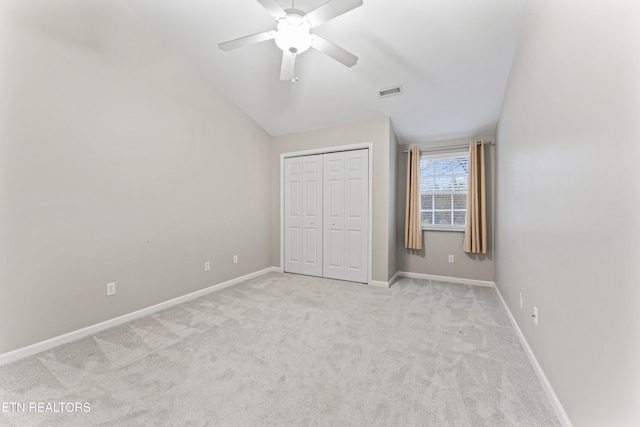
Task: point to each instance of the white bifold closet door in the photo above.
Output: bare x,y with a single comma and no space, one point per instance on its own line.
345,215
326,215
303,215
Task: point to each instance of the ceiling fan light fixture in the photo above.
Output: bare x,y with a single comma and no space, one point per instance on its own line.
293,34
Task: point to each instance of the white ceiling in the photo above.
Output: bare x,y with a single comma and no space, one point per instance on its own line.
452,58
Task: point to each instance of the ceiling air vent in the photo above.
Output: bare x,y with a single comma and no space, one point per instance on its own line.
385,93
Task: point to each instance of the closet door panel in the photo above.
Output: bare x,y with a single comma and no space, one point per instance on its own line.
312,215
356,208
303,215
333,218
293,215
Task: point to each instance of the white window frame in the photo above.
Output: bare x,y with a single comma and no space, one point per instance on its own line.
448,227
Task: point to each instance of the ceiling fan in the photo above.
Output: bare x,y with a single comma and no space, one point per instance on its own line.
293,33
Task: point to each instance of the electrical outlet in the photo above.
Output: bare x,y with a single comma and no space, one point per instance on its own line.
207,266
111,288
535,315
450,258
521,300
235,259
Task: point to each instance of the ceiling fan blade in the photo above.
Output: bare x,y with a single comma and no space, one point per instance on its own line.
330,10
287,72
273,8
336,52
245,41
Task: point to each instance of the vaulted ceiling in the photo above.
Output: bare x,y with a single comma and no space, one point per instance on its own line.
452,58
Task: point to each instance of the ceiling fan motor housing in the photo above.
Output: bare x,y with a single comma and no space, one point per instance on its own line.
293,32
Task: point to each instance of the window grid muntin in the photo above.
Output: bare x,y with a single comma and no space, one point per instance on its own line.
443,175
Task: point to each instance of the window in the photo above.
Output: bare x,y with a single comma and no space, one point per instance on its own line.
443,190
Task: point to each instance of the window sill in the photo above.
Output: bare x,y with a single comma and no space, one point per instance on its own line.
444,229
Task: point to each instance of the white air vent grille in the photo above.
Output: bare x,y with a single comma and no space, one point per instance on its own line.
385,93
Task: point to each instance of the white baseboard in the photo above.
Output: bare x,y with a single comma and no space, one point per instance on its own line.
546,385
460,280
379,284
394,278
29,350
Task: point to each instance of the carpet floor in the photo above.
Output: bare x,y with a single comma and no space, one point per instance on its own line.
289,350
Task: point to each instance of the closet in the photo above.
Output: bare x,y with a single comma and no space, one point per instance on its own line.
326,215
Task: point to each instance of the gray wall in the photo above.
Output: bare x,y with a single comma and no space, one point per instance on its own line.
375,131
118,162
568,206
438,245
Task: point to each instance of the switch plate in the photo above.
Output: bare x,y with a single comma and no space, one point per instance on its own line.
235,259
450,258
207,266
111,288
535,315
521,300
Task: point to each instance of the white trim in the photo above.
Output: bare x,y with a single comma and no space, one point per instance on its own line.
379,284
336,149
461,229
452,153
282,157
460,280
324,150
546,385
50,343
394,278
370,219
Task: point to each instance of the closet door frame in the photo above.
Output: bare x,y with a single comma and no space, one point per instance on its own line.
368,146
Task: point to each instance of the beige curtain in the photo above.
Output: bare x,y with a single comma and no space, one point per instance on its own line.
475,235
412,226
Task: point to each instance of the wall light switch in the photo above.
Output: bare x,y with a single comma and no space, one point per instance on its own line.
521,300
111,288
207,266
450,258
235,259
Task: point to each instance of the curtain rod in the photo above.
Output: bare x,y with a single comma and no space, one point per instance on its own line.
450,147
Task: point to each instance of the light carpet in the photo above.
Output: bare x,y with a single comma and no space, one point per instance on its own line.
285,350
